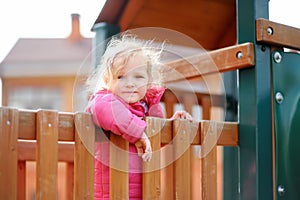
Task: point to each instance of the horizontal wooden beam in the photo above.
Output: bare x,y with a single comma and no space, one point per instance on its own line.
27,151
277,34
27,125
227,136
227,132
217,61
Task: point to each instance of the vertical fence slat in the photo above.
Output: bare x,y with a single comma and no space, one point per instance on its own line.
167,161
118,167
21,180
70,180
189,100
151,176
209,175
209,160
206,108
181,142
184,133
84,157
8,153
47,155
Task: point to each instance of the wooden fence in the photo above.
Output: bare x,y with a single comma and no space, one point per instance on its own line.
49,137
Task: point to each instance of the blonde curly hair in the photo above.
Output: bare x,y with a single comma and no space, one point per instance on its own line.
116,55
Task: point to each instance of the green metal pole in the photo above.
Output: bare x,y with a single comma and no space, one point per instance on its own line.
230,154
103,32
255,116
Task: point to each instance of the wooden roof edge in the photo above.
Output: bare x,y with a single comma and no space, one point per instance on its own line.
111,12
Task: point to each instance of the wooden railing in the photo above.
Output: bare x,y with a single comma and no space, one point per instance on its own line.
49,137
36,135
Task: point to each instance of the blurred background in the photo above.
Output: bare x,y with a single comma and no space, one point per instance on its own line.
43,43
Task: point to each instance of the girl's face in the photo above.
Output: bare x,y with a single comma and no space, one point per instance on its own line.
130,82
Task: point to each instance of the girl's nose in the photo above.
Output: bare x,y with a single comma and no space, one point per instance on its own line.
129,82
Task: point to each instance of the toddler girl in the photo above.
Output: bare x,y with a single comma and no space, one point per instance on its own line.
125,89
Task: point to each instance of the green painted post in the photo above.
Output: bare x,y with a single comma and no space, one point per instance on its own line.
103,32
255,116
230,154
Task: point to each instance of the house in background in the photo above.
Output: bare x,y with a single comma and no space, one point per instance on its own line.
40,73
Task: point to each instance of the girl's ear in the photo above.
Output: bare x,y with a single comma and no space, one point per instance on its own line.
105,80
106,77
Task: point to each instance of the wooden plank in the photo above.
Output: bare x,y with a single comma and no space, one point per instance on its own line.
209,175
196,189
69,180
277,34
46,155
27,121
227,132
208,154
185,132
27,151
169,99
119,171
167,173
167,154
84,157
206,107
131,10
151,170
66,126
166,131
8,153
21,180
217,61
227,137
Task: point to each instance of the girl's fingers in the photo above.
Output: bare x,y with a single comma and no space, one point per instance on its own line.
147,156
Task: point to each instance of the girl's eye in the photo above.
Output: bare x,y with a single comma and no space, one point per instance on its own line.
139,76
120,77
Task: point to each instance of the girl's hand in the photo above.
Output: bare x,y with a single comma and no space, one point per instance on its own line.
143,147
182,115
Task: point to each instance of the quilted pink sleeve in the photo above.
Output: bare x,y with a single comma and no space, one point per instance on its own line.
153,97
111,114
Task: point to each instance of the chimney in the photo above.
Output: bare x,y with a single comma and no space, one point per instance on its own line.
75,33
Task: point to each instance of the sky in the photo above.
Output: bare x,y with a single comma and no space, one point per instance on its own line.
43,19
52,18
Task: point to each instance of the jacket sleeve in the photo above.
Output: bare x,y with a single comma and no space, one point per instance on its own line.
153,97
111,114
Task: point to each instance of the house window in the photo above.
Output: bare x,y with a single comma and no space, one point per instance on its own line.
36,97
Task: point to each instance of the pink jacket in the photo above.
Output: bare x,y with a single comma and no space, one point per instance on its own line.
113,114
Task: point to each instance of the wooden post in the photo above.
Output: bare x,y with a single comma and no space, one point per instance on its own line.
118,167
21,194
9,126
47,155
167,152
84,157
209,136
184,132
69,180
151,175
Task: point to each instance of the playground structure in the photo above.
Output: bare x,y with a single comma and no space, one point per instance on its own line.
265,132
